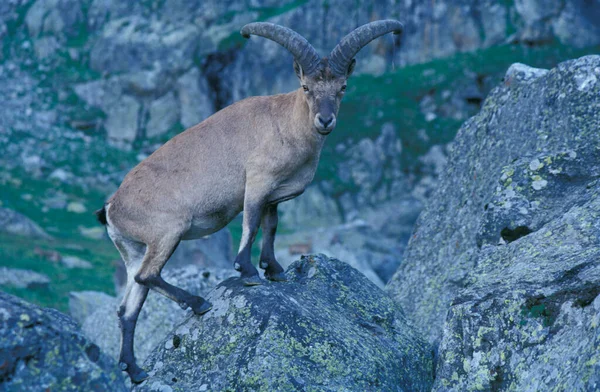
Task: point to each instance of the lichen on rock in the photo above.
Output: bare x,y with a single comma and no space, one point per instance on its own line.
503,269
327,329
43,350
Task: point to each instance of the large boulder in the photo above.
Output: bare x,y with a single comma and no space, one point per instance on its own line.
42,349
531,113
158,317
327,328
528,318
506,251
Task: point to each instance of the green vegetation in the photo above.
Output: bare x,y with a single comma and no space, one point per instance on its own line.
27,195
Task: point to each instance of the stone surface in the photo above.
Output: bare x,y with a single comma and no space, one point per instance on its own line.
327,328
42,349
83,303
554,111
158,317
196,100
164,114
506,250
12,222
311,209
75,262
528,318
357,243
212,251
22,278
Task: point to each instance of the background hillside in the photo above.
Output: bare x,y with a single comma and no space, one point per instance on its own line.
90,88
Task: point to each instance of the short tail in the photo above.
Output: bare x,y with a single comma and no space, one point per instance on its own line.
101,215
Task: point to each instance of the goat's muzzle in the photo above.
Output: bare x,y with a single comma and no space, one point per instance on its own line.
324,124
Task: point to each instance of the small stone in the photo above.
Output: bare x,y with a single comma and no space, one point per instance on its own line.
60,174
76,262
76,207
539,184
22,278
535,165
95,233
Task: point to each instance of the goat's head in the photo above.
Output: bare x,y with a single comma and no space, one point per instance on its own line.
323,79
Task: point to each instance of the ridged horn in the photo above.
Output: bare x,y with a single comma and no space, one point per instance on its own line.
351,44
298,46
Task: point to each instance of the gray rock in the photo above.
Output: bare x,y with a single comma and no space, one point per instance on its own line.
327,329
22,279
195,98
12,222
164,114
157,318
83,303
578,24
122,120
555,111
42,349
75,262
311,209
213,251
51,23
527,319
135,43
506,251
356,243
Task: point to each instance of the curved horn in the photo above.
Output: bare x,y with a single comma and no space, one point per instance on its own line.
344,52
303,51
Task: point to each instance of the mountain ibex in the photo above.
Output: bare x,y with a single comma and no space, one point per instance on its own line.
249,156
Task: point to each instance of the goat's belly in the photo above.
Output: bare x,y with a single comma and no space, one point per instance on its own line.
203,225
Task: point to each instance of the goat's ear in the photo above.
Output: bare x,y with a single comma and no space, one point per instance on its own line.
351,68
298,70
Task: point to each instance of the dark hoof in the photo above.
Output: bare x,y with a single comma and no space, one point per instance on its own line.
253,280
276,277
136,373
200,305
139,376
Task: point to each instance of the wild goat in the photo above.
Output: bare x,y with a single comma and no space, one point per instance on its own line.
249,156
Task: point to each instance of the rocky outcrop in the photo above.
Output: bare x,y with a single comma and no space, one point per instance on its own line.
20,278
327,328
97,312
12,222
197,45
42,349
506,251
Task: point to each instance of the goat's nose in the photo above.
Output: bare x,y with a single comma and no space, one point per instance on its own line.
325,122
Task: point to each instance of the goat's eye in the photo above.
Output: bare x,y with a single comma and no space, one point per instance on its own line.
343,89
305,87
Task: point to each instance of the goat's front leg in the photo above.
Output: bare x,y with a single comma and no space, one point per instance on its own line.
273,271
253,208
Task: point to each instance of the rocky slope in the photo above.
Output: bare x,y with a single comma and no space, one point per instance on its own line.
327,328
42,349
502,270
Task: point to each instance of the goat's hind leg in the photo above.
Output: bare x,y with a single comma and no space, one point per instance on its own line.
128,314
131,305
149,275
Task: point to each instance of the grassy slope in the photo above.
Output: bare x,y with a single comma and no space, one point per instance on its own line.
370,102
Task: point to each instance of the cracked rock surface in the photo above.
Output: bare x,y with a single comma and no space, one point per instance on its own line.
328,328
43,350
503,268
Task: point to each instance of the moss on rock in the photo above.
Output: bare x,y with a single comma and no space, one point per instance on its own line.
327,329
